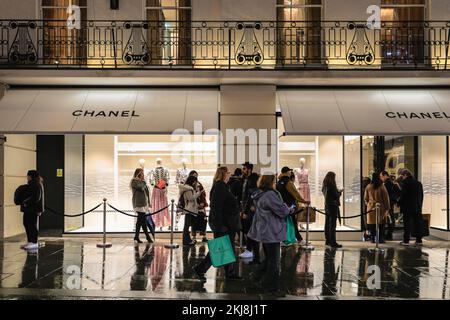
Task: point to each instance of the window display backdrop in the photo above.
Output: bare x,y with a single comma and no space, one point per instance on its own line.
110,162
323,154
433,166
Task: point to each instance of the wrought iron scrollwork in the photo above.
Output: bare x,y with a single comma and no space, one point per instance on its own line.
136,50
249,49
360,50
22,50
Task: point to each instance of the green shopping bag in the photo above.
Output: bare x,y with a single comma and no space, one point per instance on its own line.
221,251
290,232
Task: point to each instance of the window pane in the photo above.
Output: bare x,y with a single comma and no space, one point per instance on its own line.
352,181
433,175
318,154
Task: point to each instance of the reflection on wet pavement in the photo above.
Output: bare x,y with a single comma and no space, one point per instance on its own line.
77,268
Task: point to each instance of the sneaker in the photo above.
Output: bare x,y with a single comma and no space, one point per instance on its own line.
246,255
24,245
404,243
31,246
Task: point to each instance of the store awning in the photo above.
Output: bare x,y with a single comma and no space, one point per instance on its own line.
372,112
108,111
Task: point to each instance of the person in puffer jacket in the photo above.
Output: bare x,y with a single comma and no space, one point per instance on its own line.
269,228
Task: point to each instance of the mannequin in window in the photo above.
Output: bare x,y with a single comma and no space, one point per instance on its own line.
302,177
159,179
182,173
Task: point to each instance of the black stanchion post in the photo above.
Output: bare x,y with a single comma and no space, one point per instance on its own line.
377,235
172,211
104,244
307,245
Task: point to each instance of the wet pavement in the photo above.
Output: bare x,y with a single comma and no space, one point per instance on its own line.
74,268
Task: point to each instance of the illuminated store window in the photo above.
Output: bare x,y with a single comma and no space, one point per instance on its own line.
169,34
312,157
403,31
63,45
109,164
352,180
433,175
299,31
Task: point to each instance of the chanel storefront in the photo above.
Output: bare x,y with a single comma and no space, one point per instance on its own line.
107,133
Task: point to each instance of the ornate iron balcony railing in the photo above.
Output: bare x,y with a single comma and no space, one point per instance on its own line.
224,45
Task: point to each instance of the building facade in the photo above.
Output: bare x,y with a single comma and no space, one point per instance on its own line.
92,89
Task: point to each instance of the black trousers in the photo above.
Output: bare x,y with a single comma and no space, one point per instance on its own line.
330,223
298,236
231,268
269,269
188,221
410,223
141,222
250,244
373,232
391,224
30,220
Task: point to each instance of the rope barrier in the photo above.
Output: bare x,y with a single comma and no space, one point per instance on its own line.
135,216
351,217
195,214
72,215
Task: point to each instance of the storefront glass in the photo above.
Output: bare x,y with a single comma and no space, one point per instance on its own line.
352,181
318,155
109,164
433,175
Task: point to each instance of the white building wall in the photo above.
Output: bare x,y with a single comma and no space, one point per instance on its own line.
18,156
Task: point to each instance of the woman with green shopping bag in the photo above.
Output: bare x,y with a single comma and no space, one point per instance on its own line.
269,228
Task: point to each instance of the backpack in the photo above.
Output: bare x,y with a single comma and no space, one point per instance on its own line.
180,203
21,193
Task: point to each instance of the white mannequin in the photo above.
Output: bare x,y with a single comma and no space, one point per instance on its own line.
182,173
302,178
159,194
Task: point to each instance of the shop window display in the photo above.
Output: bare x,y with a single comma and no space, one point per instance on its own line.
111,160
432,164
312,157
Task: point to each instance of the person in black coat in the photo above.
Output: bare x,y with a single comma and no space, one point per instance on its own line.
394,193
223,220
332,203
411,201
235,184
248,211
32,207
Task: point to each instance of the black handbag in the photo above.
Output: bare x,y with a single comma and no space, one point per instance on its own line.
422,228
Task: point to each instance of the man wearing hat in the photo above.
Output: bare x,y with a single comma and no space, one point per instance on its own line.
248,210
32,207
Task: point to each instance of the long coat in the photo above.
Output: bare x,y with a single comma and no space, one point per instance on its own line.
373,196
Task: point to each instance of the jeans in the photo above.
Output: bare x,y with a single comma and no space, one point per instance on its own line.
188,220
269,270
231,268
141,222
410,221
330,224
30,220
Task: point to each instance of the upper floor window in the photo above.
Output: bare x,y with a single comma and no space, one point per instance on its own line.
402,33
63,45
299,31
169,34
